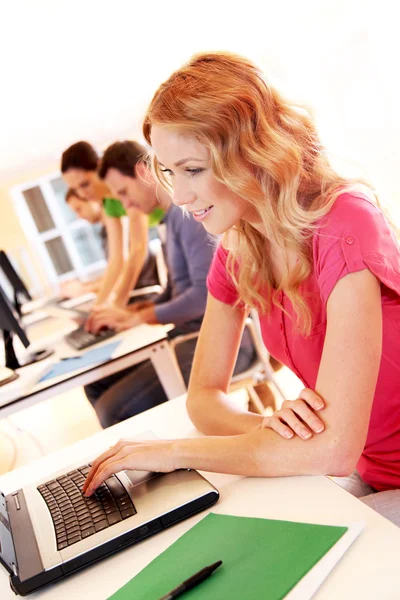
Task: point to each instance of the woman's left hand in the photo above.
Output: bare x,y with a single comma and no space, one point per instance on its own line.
127,454
297,417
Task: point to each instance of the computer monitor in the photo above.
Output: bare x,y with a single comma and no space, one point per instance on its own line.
19,287
10,325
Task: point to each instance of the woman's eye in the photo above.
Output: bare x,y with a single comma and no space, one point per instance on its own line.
193,172
168,171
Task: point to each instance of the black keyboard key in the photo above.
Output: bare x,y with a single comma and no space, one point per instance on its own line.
72,530
92,501
114,518
53,486
82,514
97,514
124,504
60,531
75,495
62,545
129,512
111,510
99,517
76,517
84,471
116,487
100,525
74,539
87,532
81,339
85,524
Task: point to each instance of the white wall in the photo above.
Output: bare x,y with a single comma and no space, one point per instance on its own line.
85,69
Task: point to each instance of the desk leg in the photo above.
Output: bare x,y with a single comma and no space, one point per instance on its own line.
167,369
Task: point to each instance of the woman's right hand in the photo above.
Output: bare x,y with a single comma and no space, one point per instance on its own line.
297,417
71,289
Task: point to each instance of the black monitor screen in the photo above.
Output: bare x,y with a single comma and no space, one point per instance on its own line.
12,276
8,319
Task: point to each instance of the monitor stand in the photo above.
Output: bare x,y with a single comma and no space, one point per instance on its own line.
11,359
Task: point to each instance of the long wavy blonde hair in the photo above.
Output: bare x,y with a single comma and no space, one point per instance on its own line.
264,149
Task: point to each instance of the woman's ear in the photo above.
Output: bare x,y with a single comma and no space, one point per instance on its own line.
143,172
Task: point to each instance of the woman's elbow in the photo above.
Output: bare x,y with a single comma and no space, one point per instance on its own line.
197,414
342,459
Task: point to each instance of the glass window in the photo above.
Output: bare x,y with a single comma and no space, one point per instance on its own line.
59,256
38,209
88,245
60,190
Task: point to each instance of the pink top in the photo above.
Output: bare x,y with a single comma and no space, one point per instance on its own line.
353,236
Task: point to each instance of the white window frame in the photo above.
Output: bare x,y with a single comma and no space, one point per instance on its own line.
62,229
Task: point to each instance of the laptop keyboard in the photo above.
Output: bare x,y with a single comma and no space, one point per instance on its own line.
80,338
76,517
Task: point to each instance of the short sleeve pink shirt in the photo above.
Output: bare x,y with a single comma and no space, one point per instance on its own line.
353,236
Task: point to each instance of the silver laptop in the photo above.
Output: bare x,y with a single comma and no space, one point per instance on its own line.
50,530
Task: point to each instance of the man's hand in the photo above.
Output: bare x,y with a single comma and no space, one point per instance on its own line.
140,305
111,317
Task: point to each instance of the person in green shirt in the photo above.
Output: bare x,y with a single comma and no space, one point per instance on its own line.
123,168
79,165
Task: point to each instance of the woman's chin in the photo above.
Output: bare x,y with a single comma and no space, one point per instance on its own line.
215,228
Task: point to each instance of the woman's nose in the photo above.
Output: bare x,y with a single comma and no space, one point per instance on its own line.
181,196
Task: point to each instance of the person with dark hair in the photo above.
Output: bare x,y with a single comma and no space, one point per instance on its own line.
123,163
188,252
80,155
88,210
79,165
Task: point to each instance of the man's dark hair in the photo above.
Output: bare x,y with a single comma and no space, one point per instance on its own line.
122,156
71,194
81,155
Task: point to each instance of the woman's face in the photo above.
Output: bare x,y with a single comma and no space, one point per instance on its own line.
84,209
84,183
186,163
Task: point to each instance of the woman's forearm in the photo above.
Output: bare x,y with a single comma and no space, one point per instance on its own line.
214,413
261,453
109,280
130,274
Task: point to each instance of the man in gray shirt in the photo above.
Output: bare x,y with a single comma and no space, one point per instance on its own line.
188,251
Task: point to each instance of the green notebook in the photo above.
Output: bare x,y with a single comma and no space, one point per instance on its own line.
262,559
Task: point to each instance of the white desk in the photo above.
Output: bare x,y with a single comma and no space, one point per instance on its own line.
369,570
137,344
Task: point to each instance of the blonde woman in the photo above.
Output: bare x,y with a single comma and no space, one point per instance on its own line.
318,260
